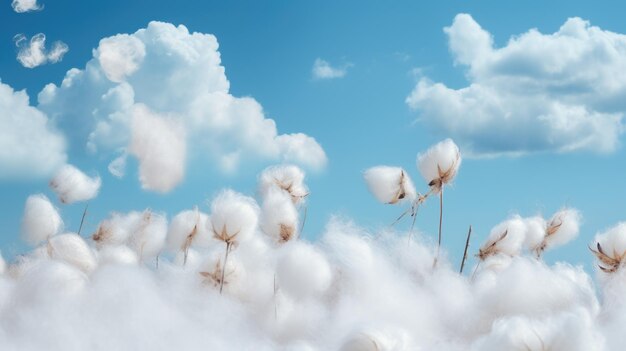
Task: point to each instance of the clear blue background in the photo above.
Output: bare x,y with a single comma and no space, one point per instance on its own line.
361,120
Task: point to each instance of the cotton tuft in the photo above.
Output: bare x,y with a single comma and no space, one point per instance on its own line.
390,185
72,185
440,163
40,221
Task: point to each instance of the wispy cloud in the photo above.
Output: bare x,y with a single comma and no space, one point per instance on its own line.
21,6
323,70
33,52
540,92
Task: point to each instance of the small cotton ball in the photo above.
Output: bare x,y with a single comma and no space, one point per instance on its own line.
212,271
563,227
186,229
303,271
233,216
279,217
72,185
287,178
119,254
610,248
505,238
390,185
41,220
148,238
440,163
117,229
72,249
535,231
47,280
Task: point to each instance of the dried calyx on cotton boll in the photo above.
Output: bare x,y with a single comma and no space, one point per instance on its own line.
505,239
72,249
288,178
440,164
610,248
41,220
116,229
560,229
72,185
216,274
279,216
390,185
186,229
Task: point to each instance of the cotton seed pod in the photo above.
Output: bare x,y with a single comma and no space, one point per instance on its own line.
72,249
41,220
505,238
440,164
287,178
234,217
279,217
72,185
390,185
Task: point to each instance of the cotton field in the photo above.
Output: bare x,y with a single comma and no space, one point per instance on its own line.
235,275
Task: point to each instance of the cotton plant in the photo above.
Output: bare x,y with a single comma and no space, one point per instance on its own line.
41,220
279,217
234,217
188,228
610,248
287,178
563,227
504,241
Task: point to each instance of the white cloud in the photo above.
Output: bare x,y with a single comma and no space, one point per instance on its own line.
540,92
21,6
174,73
33,53
30,146
323,70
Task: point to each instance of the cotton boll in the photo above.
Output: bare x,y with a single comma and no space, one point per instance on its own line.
119,254
535,231
72,249
191,261
149,238
390,185
279,216
117,229
288,178
41,220
72,185
440,163
377,340
610,248
233,216
303,271
188,228
47,281
562,227
212,270
505,238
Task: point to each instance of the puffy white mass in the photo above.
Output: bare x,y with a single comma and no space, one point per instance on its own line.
148,234
440,163
72,185
21,6
159,144
279,216
147,69
189,228
610,247
390,185
559,92
41,220
33,52
505,238
234,216
563,227
286,178
72,249
323,70
32,145
302,270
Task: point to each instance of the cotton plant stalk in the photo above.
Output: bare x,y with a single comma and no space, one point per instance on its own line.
439,166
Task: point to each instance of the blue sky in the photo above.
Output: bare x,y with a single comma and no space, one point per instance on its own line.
360,120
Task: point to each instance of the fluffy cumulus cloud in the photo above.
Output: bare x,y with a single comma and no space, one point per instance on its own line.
323,70
176,77
33,52
21,6
30,145
558,92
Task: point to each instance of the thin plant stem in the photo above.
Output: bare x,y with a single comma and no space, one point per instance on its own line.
469,234
157,262
82,219
224,268
440,223
414,215
475,270
303,219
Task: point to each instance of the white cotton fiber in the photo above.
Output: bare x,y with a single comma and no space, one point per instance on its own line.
188,228
72,249
3,265
116,230
302,270
442,159
72,185
210,272
390,185
288,178
279,216
535,231
234,217
505,238
118,254
567,224
41,220
148,239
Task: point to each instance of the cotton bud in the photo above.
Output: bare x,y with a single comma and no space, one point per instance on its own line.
41,220
505,238
390,185
233,216
72,249
610,248
72,185
287,178
440,164
279,216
